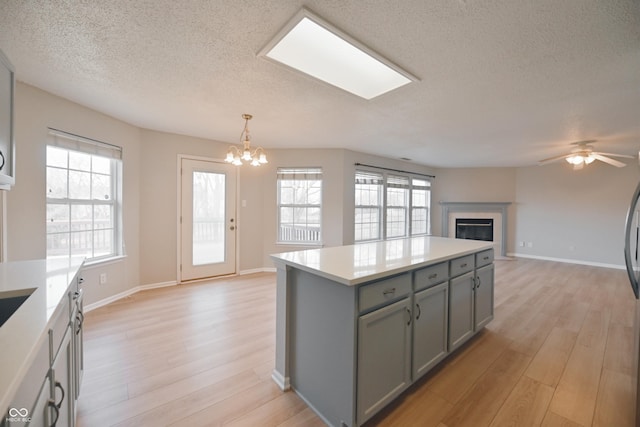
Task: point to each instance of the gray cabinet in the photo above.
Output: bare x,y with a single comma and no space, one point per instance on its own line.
461,320
431,308
384,356
483,294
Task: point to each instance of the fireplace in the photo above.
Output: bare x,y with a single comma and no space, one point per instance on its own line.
474,229
470,213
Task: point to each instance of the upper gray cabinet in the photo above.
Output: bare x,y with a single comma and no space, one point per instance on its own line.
7,144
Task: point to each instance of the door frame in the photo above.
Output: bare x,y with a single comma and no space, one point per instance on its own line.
179,212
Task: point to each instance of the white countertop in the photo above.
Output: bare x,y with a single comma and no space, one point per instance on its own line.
364,262
22,334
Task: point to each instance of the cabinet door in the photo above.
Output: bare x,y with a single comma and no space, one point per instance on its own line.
461,319
62,382
44,413
430,309
77,318
384,357
484,296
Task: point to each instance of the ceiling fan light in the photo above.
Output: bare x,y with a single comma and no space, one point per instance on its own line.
589,159
575,160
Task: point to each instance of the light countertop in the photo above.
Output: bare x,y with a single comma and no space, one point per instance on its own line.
26,329
364,262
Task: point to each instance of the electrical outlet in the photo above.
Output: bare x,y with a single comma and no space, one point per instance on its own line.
529,244
103,278
521,244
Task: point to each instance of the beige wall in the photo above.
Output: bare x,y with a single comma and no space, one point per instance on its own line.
26,208
574,215
474,185
159,204
565,214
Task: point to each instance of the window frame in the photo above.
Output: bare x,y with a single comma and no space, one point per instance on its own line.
384,207
304,174
370,175
73,143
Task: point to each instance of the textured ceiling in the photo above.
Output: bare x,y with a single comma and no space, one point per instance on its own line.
502,82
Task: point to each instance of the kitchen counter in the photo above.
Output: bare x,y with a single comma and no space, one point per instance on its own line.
356,325
364,262
28,327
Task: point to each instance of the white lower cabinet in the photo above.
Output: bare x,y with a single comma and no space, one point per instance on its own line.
44,407
431,307
62,382
48,393
384,356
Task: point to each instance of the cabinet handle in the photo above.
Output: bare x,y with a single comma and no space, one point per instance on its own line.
479,282
2,156
463,265
79,318
433,276
81,280
409,313
389,291
419,311
52,404
58,385
485,258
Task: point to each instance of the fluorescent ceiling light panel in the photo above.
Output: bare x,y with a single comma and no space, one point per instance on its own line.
314,47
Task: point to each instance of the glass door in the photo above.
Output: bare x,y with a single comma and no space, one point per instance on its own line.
208,221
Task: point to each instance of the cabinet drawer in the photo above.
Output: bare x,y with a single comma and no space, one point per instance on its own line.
484,258
462,265
384,291
62,318
431,276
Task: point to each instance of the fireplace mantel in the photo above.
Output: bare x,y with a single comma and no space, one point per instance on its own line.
489,207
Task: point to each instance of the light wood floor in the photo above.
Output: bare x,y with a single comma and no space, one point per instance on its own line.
558,353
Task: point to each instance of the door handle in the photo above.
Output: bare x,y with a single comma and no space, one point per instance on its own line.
232,228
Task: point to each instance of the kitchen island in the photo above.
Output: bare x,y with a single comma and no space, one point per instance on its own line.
356,325
41,341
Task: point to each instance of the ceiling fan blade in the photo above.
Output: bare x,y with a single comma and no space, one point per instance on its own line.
553,159
612,162
625,156
585,142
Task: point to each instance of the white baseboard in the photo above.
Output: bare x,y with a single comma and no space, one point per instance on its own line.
132,291
125,294
257,270
282,382
568,261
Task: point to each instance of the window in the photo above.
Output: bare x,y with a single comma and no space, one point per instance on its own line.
391,206
397,209
368,215
299,205
83,198
420,204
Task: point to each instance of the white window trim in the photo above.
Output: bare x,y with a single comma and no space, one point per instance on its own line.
301,243
72,142
409,208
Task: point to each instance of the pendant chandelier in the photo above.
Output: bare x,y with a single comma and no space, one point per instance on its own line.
237,156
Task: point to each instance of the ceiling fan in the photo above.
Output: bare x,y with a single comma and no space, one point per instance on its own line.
583,154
